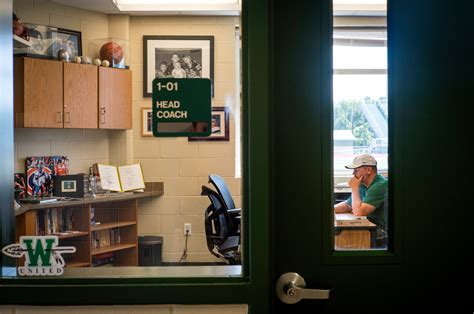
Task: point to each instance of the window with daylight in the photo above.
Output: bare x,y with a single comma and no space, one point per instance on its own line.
360,133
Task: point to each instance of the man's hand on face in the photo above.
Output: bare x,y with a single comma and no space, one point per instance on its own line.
354,182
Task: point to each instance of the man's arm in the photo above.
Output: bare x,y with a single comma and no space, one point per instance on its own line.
363,210
342,207
359,208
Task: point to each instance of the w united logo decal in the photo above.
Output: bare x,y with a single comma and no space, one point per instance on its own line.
42,255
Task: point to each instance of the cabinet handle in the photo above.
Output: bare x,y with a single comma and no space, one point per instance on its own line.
102,115
59,117
68,116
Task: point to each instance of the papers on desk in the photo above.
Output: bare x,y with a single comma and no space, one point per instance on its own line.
39,200
349,219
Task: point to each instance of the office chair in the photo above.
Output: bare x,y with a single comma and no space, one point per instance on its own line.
223,190
222,234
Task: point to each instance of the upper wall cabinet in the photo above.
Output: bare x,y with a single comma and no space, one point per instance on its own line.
80,96
54,94
38,93
115,98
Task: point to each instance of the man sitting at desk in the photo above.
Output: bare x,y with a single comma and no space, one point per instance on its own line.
369,191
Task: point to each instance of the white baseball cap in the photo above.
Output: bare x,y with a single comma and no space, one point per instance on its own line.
362,160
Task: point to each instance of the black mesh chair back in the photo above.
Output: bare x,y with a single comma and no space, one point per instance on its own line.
222,239
222,189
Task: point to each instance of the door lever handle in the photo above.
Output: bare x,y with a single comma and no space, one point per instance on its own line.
290,289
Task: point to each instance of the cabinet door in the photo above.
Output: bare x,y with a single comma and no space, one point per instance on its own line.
80,96
115,98
42,93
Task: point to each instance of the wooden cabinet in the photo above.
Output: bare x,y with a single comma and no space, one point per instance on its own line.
54,94
115,97
96,227
38,93
80,96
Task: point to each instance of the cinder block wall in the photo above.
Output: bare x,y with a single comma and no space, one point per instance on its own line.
182,165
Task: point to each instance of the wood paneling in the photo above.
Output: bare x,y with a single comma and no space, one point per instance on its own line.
115,98
80,96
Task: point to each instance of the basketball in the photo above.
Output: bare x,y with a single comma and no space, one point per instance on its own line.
111,52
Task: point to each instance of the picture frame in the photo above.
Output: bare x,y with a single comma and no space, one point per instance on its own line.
69,186
147,121
220,126
178,57
66,39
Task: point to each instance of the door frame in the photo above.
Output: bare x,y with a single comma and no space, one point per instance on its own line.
252,287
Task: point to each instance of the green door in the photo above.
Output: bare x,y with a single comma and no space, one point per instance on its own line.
430,71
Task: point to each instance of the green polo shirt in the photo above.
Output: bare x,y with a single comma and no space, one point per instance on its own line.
375,195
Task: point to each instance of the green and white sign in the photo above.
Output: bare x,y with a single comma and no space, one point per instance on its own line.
42,255
181,107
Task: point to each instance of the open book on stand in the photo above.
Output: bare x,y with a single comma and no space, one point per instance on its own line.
120,179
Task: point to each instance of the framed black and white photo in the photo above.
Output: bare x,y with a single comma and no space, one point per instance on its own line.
219,126
177,57
147,122
68,40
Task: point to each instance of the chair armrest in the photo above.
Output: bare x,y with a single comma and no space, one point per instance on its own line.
234,211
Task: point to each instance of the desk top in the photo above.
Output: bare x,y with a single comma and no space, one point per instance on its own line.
151,189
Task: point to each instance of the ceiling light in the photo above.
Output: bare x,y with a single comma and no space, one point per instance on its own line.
183,6
174,2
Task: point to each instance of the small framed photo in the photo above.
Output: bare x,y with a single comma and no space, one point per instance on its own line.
177,57
219,126
147,122
69,185
68,40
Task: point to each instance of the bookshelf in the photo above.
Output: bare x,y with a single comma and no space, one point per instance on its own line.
104,229
114,229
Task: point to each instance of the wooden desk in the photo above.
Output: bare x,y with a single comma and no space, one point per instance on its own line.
352,232
116,235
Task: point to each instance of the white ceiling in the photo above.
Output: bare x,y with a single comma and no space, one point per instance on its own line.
341,8
109,7
105,6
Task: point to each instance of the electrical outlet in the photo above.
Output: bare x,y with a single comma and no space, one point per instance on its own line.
187,228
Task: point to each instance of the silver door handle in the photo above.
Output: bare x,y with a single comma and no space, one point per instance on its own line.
290,289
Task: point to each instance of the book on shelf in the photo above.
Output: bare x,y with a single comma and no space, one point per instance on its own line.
120,179
105,237
103,260
57,221
92,216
